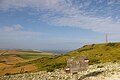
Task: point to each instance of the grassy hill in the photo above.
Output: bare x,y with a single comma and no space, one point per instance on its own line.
97,53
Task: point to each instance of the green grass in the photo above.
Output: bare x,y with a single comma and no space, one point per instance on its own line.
49,63
30,51
97,53
30,56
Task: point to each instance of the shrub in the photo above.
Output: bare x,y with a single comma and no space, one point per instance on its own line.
118,58
54,66
114,61
7,74
93,45
94,61
84,46
100,54
50,69
100,66
26,71
111,44
81,50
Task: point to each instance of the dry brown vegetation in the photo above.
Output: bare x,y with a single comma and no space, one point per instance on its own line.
9,59
97,53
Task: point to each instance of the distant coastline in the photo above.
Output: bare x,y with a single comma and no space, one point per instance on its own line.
51,51
57,51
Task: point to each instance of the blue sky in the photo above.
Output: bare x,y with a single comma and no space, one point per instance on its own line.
57,24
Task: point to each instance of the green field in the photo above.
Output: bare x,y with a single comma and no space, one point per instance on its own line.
29,51
30,56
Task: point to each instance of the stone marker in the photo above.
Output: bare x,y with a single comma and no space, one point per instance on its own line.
75,65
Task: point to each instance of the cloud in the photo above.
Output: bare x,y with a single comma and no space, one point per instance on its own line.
14,35
100,16
38,4
13,28
105,25
16,31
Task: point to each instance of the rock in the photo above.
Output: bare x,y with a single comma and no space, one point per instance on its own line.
108,71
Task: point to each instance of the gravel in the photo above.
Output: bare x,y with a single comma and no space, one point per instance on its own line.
106,71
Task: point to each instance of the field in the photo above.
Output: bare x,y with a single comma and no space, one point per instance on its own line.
10,58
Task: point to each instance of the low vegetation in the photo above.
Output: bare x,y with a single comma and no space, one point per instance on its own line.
29,51
11,60
30,56
97,53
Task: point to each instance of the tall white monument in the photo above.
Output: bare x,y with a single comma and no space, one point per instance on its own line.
106,38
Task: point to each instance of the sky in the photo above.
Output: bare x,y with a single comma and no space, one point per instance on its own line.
57,24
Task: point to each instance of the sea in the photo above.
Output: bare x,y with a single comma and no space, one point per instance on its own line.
57,51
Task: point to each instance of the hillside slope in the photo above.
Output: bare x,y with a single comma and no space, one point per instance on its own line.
97,53
104,64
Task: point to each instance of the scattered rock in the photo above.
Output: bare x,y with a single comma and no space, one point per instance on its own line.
108,71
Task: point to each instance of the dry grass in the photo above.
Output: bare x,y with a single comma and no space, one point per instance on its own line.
9,59
97,53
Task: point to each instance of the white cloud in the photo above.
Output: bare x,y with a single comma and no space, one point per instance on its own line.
13,28
105,25
66,13
14,37
17,4
15,31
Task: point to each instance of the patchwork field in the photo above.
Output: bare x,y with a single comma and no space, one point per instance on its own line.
10,58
